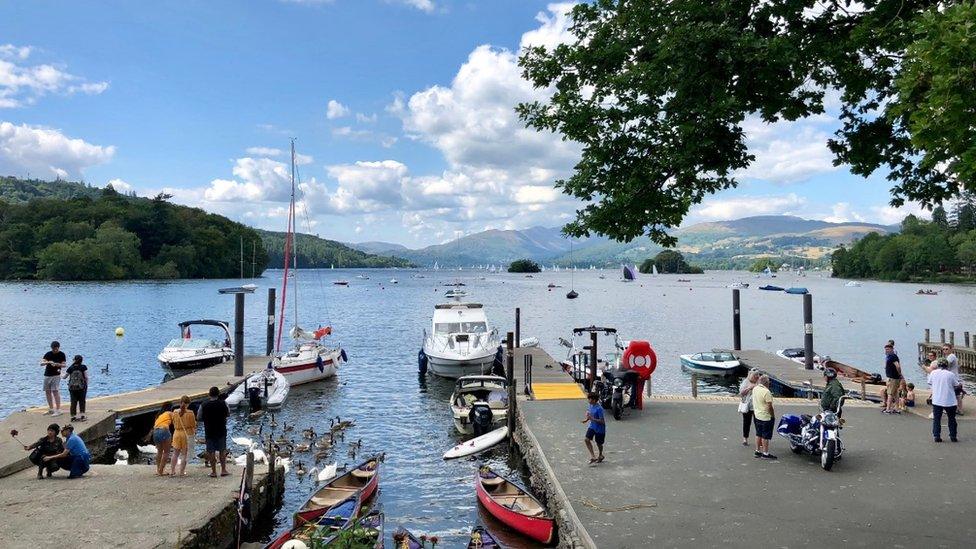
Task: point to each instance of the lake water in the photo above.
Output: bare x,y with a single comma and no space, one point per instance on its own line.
380,326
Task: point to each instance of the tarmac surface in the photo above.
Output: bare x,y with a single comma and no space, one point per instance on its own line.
92,511
676,475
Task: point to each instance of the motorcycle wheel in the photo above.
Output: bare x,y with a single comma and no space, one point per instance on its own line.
796,448
828,454
618,410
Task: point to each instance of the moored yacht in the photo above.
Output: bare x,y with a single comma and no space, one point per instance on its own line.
460,341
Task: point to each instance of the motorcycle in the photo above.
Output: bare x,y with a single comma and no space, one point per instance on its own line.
614,391
815,435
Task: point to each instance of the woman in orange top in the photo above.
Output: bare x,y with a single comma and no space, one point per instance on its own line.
185,423
162,438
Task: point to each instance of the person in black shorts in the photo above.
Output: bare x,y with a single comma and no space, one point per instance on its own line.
597,428
214,414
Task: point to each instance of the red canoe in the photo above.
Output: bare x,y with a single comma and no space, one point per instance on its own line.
514,505
362,479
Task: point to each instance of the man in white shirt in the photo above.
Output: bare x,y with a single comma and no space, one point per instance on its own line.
950,356
944,384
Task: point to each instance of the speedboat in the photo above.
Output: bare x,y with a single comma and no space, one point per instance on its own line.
797,354
714,363
739,285
455,294
487,392
192,353
771,288
460,341
853,284
269,385
341,282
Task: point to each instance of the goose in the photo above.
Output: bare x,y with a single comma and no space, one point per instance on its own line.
273,422
344,424
255,415
287,428
314,473
303,447
327,473
768,337
325,442
105,369
358,444
320,455
121,455
146,449
300,469
308,433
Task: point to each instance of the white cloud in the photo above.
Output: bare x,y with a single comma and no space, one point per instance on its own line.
841,212
256,179
888,215
348,132
787,152
335,110
45,152
366,118
120,185
367,186
427,6
264,151
721,209
23,84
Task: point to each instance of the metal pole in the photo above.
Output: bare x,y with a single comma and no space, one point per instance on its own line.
808,331
952,338
736,324
510,376
926,335
269,348
941,335
238,335
518,326
593,355
965,337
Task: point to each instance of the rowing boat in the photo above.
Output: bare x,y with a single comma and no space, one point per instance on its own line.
852,373
482,539
513,505
323,528
362,480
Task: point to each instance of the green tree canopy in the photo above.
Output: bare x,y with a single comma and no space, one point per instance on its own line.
524,266
669,262
656,92
763,263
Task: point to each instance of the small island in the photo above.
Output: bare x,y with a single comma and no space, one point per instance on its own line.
524,266
669,262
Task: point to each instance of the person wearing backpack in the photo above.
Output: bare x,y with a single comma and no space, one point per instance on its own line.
77,376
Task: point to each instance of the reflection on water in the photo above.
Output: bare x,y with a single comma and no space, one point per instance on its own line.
380,327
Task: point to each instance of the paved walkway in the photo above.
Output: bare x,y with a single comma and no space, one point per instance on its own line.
91,511
677,475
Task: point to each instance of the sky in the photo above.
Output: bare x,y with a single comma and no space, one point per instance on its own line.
402,112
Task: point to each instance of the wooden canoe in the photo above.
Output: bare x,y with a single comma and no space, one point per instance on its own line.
482,539
852,373
363,480
324,527
369,529
514,506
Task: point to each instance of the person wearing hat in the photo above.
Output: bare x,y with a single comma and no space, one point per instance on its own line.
944,383
75,457
832,392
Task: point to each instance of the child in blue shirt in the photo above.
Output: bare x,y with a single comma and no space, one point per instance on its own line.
597,428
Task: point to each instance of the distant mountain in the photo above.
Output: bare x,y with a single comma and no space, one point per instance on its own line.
374,247
716,244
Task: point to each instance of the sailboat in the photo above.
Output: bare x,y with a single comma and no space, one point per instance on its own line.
654,269
572,294
309,359
630,274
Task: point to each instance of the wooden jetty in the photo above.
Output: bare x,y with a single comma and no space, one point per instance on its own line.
966,353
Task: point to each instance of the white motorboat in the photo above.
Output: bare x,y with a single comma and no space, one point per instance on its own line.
192,353
394,281
455,294
798,355
853,284
714,363
270,385
739,285
461,342
488,392
309,359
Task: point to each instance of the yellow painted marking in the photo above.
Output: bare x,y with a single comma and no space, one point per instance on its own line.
557,391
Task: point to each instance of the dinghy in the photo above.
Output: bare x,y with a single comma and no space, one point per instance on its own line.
513,505
490,392
323,528
271,385
478,444
404,539
482,539
361,480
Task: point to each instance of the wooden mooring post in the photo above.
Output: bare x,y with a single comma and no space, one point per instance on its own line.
965,353
694,385
510,376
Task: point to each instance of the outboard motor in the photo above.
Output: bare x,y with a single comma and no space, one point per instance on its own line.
481,418
254,398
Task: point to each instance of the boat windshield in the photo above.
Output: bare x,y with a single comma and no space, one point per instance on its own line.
195,343
460,328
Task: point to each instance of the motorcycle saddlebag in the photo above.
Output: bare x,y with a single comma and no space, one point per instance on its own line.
789,424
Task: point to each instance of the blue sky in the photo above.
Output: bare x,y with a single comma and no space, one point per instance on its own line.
401,109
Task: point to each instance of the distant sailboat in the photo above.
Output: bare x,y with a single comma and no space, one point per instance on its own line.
630,274
654,269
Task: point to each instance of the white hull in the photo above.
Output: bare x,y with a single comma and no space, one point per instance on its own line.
479,444
453,368
277,389
182,359
302,365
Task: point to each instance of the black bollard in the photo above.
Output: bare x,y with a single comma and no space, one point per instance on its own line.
808,331
736,324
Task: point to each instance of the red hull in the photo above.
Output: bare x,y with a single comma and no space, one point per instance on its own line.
299,367
540,529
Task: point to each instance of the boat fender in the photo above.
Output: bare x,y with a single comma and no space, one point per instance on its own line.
422,362
342,355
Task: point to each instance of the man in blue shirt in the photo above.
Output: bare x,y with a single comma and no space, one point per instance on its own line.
597,429
75,457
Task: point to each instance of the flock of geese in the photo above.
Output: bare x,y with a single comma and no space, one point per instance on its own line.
286,448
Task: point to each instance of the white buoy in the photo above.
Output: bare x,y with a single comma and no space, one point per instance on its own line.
120,331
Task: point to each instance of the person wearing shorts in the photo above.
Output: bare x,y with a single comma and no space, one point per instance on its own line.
214,414
597,429
162,437
53,361
895,377
762,409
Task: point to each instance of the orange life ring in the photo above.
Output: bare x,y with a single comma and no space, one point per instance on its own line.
640,357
